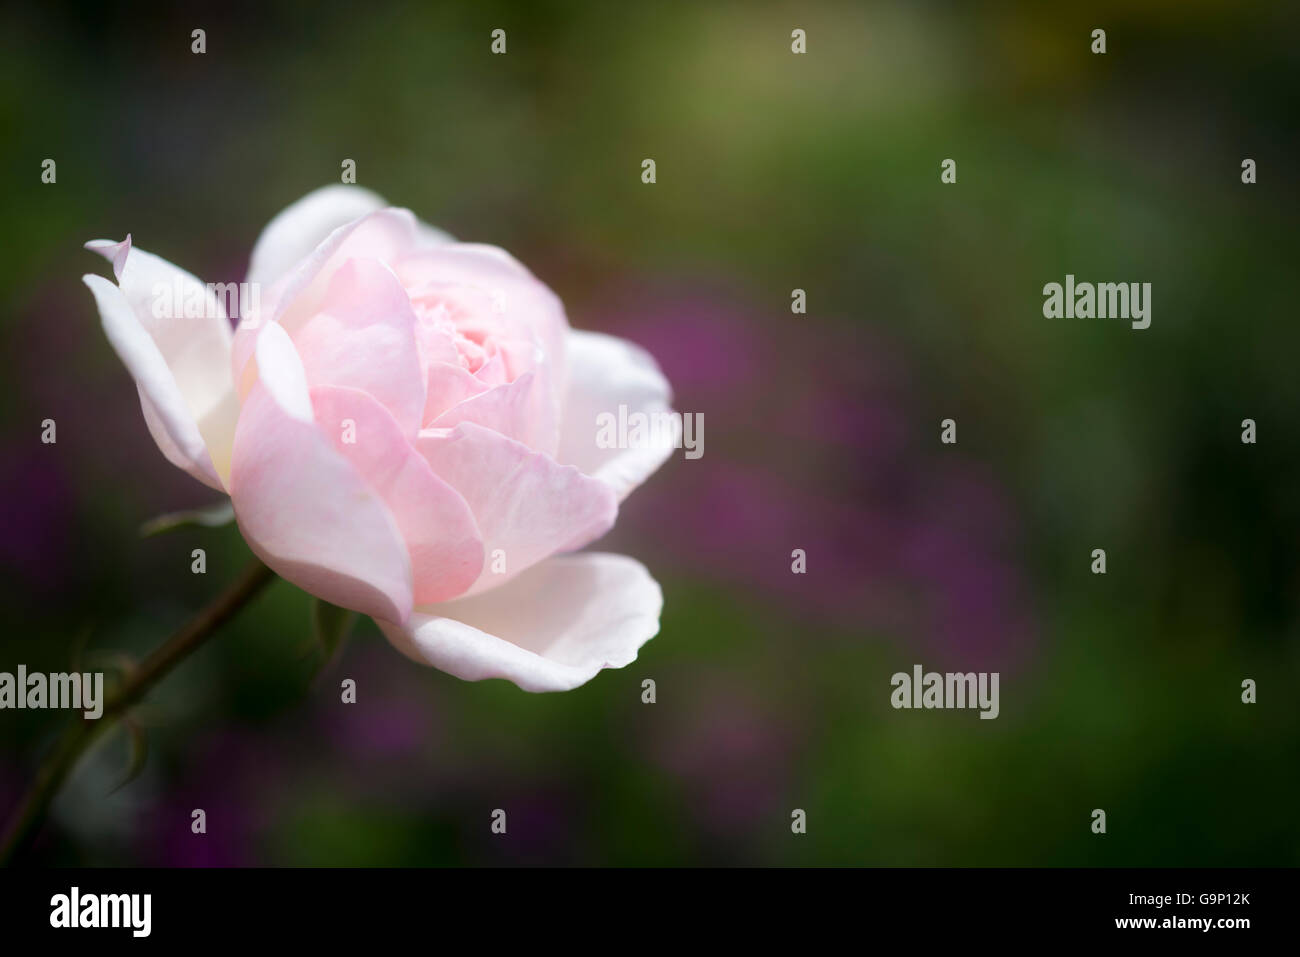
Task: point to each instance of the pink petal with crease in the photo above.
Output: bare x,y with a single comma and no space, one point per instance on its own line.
364,338
307,512
448,385
520,410
435,521
524,502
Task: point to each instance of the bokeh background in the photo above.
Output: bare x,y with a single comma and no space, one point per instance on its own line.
775,171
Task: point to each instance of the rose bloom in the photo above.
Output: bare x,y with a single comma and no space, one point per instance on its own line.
406,426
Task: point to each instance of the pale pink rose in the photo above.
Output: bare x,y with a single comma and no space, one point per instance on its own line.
403,417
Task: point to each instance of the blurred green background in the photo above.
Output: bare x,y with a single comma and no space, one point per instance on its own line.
775,171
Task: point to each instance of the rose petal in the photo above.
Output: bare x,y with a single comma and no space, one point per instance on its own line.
364,338
188,325
168,417
435,521
196,347
203,469
550,629
525,503
523,307
115,253
429,236
384,235
299,228
307,512
446,386
520,410
606,372
297,295
280,370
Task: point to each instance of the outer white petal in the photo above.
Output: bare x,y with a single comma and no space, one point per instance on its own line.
166,413
432,236
383,235
550,629
606,372
203,470
301,227
195,348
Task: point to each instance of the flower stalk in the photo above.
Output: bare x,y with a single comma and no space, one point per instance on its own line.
73,743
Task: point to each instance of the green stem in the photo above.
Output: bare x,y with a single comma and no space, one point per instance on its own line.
77,738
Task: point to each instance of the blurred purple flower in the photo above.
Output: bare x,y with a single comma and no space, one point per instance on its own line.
811,442
733,756
35,548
